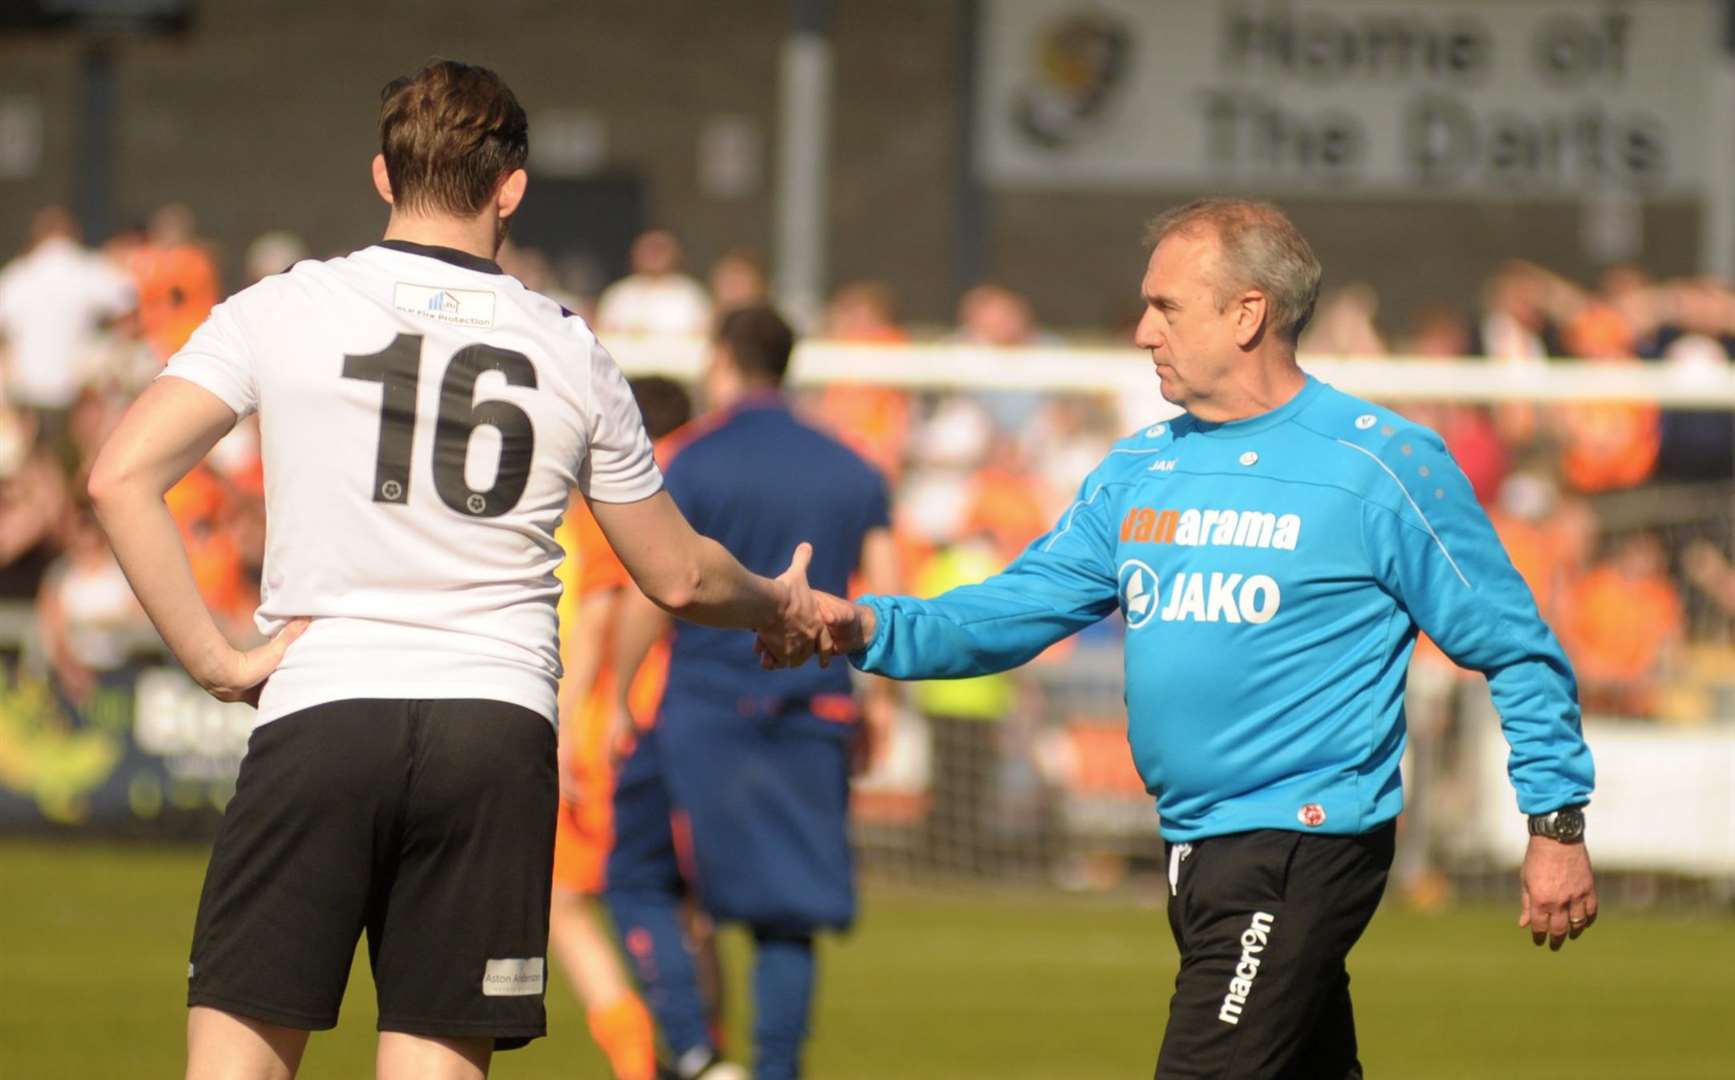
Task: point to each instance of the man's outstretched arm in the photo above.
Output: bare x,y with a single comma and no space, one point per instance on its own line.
693,577
1062,583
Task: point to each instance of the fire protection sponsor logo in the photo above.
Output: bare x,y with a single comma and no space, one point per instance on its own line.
461,307
1211,528
1254,940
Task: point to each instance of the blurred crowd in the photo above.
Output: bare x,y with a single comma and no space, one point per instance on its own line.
1616,513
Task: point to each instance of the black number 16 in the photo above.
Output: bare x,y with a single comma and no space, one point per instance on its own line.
397,368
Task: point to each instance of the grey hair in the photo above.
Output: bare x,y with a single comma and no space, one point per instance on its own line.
1261,249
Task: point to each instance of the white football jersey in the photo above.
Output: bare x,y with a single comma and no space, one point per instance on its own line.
423,421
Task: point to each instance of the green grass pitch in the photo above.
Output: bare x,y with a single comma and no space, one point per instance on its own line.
934,983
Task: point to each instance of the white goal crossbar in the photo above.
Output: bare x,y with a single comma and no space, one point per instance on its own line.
1069,369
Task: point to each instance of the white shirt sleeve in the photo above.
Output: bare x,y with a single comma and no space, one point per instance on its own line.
618,466
218,359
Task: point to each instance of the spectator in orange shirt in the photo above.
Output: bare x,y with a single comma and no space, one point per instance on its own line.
593,579
200,505
1549,539
1007,502
1625,625
176,279
1606,446
874,421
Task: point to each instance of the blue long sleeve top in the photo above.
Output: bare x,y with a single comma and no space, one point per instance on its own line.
1273,573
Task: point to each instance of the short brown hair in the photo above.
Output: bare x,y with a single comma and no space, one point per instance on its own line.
450,133
1261,249
662,402
758,340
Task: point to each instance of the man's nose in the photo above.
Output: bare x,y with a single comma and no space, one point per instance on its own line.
1149,333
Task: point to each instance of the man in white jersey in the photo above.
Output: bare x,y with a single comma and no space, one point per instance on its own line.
423,420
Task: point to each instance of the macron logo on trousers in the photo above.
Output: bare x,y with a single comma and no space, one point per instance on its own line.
1253,942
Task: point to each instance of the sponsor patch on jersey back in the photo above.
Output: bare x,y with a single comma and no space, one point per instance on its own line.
460,307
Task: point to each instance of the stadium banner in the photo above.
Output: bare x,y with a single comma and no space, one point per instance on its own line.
144,752
1464,98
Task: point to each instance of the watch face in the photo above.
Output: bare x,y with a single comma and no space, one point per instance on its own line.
1568,825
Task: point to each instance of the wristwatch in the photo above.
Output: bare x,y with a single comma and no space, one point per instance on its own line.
1565,825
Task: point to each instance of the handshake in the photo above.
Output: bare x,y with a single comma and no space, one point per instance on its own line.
808,623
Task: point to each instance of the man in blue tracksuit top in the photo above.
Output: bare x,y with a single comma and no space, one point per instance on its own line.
1274,552
755,764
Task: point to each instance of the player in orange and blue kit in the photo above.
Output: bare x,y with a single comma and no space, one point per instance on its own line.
592,578
754,765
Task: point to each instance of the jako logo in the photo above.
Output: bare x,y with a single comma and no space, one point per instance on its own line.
1138,593
444,302
1253,942
1218,528
1197,597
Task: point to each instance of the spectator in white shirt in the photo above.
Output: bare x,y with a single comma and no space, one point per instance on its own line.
54,301
656,298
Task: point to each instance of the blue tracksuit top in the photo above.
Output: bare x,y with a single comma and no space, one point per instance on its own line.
759,481
1273,573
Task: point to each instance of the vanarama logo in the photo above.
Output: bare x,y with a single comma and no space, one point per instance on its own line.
1214,528
1254,939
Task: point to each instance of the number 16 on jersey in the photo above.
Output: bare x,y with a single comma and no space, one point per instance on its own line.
398,368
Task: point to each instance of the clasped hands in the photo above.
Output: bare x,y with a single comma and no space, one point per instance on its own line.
809,623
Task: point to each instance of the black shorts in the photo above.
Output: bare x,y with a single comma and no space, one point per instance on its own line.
429,824
1263,921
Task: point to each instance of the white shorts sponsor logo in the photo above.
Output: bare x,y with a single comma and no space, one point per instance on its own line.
460,307
512,978
1253,942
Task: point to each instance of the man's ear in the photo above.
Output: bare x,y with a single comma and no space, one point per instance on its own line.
511,192
383,179
1251,311
718,359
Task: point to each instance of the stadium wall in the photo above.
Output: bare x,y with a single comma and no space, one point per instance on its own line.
261,118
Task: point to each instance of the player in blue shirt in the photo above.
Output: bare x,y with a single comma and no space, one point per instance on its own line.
1274,552
754,765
